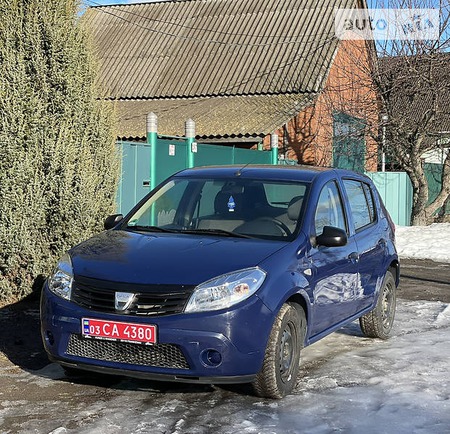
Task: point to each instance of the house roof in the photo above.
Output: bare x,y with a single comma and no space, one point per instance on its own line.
228,116
418,85
191,51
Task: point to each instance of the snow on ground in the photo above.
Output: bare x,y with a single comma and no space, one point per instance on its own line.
350,384
424,242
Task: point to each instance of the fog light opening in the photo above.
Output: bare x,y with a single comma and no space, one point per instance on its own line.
211,358
49,337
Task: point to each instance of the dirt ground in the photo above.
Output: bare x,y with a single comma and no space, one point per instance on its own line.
21,349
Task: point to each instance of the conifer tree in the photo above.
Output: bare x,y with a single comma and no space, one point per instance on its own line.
58,161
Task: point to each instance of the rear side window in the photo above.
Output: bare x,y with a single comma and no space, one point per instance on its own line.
361,203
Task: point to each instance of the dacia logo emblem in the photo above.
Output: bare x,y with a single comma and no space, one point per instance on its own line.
123,300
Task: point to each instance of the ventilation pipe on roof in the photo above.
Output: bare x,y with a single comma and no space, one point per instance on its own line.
152,133
274,147
191,146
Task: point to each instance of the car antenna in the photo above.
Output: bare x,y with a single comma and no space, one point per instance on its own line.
239,172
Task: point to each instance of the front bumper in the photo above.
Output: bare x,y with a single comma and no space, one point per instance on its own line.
236,339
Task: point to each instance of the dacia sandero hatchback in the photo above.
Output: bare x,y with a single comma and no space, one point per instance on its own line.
222,275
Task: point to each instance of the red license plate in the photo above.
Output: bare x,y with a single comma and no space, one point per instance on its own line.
123,331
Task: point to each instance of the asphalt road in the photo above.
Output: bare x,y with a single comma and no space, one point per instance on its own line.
424,280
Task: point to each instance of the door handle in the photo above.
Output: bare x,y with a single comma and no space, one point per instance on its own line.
354,256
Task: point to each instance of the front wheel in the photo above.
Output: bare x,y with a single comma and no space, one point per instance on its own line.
378,322
281,363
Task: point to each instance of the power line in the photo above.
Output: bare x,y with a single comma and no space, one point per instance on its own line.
312,40
300,39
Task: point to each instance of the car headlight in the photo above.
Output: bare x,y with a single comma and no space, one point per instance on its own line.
60,282
226,290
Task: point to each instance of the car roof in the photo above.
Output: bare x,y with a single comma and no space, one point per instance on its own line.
298,173
268,172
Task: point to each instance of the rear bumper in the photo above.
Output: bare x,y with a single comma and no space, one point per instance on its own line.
237,339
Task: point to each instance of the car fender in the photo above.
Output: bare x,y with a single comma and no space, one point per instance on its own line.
291,286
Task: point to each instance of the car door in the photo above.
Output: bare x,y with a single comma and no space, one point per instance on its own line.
368,237
335,280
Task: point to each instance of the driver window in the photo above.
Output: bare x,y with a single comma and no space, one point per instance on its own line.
329,211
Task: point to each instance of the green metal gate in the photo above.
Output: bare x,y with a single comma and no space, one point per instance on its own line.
171,156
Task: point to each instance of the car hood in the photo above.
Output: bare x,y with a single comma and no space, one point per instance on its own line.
154,258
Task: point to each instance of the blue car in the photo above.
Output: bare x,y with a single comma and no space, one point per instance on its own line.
223,275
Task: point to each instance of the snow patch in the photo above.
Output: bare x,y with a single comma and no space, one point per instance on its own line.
424,242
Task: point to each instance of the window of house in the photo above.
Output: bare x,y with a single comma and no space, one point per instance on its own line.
349,146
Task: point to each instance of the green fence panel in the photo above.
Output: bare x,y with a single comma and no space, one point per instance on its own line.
248,156
209,155
396,191
394,187
135,175
171,157
212,155
433,172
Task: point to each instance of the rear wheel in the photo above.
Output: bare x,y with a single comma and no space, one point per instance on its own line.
378,322
281,363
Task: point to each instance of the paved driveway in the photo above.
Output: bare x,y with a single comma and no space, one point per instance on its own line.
424,280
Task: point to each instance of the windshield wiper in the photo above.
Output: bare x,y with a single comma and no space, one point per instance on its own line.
215,232
149,228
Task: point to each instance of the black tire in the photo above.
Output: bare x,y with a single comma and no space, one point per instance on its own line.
279,372
378,322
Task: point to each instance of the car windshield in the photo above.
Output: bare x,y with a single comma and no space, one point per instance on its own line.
224,207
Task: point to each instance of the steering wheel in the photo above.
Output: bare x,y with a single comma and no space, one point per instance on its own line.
279,224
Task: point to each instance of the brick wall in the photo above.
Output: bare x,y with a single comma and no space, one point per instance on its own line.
348,88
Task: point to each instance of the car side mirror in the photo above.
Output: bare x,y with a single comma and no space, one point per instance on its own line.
112,220
332,237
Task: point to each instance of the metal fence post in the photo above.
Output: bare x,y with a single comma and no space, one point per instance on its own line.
384,119
191,148
274,147
152,133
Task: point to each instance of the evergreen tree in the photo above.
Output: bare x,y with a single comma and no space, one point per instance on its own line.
58,161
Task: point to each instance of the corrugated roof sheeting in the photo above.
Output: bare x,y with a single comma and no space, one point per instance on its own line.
196,48
415,80
218,116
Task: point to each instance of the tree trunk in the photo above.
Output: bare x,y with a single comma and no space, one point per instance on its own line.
419,214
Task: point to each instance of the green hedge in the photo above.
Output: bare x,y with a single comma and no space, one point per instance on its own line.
58,164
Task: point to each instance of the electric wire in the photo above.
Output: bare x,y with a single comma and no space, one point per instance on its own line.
300,39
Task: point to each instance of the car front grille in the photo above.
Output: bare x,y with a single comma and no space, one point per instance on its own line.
159,355
150,300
